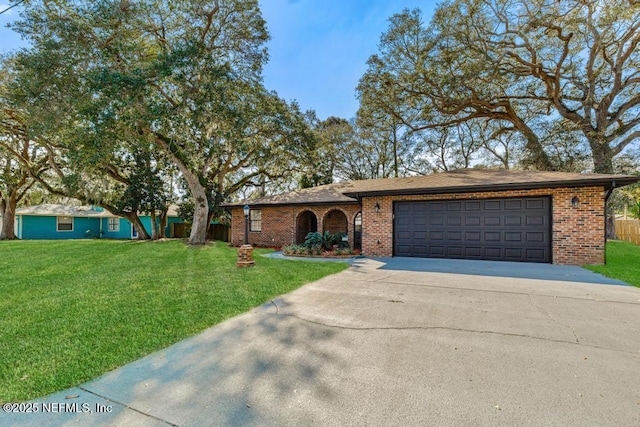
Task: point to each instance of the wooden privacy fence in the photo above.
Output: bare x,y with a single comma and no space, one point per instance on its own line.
629,230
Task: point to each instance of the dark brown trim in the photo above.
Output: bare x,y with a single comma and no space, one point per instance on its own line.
275,205
607,183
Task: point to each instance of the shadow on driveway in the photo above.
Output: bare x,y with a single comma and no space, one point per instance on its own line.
521,270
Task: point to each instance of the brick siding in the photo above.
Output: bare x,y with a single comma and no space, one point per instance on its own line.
577,233
279,223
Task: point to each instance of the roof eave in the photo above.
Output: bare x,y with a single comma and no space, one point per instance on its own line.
608,183
268,205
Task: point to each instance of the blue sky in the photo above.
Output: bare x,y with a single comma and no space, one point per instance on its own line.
318,48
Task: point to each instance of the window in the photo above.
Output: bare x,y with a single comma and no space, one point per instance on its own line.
255,220
114,224
64,223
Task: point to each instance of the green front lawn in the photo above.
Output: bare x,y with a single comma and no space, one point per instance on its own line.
623,262
72,310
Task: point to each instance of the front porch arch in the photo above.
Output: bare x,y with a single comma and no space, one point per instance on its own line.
306,223
335,221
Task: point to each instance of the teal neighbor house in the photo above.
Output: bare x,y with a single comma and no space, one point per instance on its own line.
51,221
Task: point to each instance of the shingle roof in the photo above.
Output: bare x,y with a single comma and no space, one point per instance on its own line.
76,211
62,210
464,180
323,194
458,181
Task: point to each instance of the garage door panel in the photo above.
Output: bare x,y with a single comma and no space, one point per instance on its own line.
492,236
454,251
420,250
403,208
404,222
536,203
473,252
510,205
472,205
420,220
454,206
436,220
420,235
492,221
472,220
514,254
454,236
493,253
435,206
436,235
492,205
454,220
404,235
511,220
512,229
513,237
536,254
535,220
436,251
535,237
473,236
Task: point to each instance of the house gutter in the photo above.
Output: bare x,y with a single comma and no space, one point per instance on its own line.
619,182
272,205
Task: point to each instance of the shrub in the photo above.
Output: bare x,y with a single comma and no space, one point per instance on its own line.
344,251
324,241
294,249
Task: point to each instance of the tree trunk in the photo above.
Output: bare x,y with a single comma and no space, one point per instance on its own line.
154,225
163,224
8,209
198,234
200,224
603,163
133,217
395,150
536,156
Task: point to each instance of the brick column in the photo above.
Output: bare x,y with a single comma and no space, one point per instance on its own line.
245,256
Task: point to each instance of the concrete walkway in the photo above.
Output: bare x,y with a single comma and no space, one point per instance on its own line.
391,342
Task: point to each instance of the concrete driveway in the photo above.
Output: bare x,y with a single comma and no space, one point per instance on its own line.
392,342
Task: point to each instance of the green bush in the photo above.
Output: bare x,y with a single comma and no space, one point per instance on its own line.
344,251
324,241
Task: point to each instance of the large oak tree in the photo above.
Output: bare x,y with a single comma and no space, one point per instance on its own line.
183,76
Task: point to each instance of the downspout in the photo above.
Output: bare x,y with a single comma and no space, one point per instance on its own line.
100,236
606,207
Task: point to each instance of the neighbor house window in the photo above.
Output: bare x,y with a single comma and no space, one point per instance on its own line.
255,220
65,223
114,224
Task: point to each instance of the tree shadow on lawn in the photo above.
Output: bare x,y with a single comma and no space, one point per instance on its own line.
256,368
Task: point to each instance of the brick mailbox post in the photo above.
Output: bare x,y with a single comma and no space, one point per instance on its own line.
245,256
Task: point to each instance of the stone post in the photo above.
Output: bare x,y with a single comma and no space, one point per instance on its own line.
245,256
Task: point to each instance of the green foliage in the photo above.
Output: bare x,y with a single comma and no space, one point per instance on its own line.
622,262
512,63
344,251
72,313
324,240
183,79
634,209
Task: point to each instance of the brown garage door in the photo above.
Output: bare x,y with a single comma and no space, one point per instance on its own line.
510,229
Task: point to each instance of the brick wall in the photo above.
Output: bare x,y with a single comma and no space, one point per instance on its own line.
577,233
279,223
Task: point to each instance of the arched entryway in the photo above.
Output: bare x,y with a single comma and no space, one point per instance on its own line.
307,223
335,221
357,231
